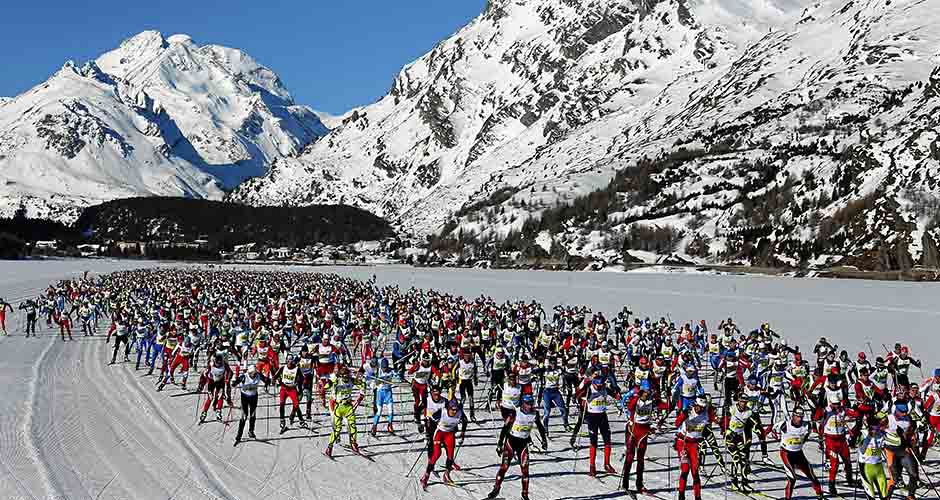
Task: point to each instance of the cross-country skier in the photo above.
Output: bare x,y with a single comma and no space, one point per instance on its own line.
384,398
31,308
448,420
871,455
516,445
347,393
690,425
248,381
834,431
219,375
899,445
288,377
551,380
4,307
639,412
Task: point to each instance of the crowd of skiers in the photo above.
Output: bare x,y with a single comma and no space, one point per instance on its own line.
318,338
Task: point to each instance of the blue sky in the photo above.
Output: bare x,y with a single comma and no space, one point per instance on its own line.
332,55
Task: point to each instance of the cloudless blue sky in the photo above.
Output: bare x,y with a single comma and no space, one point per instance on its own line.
332,54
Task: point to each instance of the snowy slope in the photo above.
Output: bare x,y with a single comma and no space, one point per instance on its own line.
540,102
74,427
154,116
330,121
505,90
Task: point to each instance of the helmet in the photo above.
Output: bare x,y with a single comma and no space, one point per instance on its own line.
527,399
834,399
453,404
435,388
936,372
645,385
597,381
252,370
384,363
861,355
900,407
701,401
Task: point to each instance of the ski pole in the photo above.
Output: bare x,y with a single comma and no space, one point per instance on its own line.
415,464
198,404
924,471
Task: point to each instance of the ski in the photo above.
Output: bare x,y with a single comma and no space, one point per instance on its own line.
361,453
189,393
649,494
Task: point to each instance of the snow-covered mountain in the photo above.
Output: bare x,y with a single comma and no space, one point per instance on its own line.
156,116
805,131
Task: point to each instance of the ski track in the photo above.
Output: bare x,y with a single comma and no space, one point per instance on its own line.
75,427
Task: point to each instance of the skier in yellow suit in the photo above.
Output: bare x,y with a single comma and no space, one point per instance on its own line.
344,390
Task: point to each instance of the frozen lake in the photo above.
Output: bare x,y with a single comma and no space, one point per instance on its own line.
73,427
847,312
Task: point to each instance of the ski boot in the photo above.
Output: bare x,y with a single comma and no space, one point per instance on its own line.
746,485
446,477
832,489
591,459
766,460
218,415
373,431
424,481
607,467
493,493
390,429
202,418
283,427
328,451
354,446
161,386
251,434
237,440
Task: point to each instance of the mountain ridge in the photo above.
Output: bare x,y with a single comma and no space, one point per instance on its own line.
536,106
155,116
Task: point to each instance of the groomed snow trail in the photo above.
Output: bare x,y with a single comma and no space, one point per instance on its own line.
73,427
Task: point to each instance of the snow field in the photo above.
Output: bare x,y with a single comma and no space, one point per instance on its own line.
76,427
